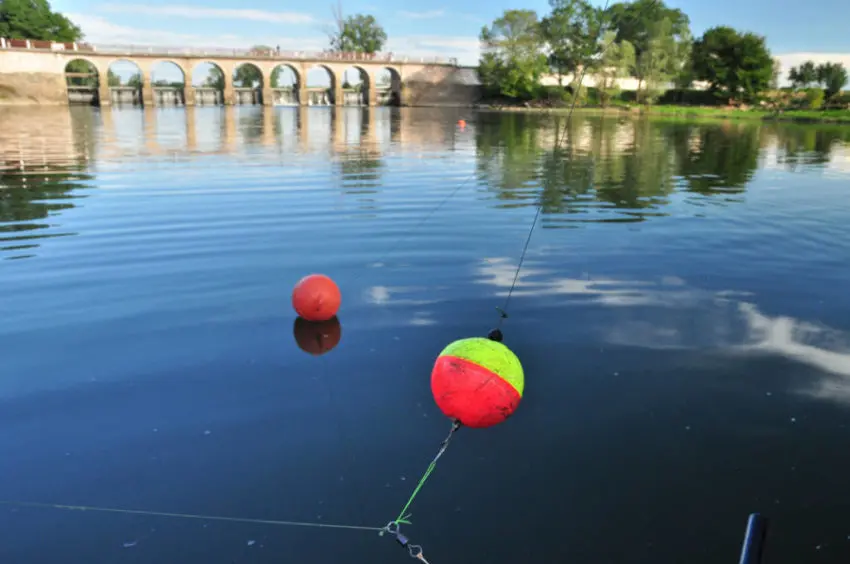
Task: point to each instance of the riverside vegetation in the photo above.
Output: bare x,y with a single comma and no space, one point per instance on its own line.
651,43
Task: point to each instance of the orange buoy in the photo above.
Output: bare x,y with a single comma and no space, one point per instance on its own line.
317,337
316,298
461,123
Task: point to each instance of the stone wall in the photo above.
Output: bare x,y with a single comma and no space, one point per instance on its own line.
32,78
441,86
29,88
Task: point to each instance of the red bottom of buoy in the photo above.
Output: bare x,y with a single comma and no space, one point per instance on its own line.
472,394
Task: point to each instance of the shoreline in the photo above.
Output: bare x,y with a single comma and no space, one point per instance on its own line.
840,117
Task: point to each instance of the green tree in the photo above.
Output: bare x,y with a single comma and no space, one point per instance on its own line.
248,76
215,78
682,67
617,61
570,33
736,65
655,65
794,77
357,34
261,49
641,23
833,77
135,80
804,75
34,19
512,61
112,79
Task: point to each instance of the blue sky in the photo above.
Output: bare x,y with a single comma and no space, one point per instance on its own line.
429,27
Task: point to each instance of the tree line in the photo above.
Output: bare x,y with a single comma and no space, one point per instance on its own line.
644,39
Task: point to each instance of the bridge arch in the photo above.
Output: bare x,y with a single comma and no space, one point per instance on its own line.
321,86
355,86
184,72
388,86
82,80
208,83
125,80
168,82
247,84
285,83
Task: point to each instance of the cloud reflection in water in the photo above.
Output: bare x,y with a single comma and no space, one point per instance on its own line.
685,317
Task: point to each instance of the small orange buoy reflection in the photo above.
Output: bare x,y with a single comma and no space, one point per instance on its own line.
317,337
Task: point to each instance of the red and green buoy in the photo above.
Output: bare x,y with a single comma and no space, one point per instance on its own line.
477,381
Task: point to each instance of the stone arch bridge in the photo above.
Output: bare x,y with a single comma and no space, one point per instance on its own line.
34,71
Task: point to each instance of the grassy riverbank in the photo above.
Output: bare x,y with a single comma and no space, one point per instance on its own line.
802,116
812,116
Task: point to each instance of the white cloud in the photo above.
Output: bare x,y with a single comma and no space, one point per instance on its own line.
422,15
99,30
789,60
176,10
465,48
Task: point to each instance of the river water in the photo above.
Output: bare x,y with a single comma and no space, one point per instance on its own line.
682,316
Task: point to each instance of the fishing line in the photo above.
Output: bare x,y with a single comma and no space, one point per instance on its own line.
394,526
124,511
422,221
496,333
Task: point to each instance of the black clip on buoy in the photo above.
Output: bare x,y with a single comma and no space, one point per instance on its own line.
496,334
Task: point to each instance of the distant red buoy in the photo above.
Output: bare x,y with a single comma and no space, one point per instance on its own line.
316,298
317,337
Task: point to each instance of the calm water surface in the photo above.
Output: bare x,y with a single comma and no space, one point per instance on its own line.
682,316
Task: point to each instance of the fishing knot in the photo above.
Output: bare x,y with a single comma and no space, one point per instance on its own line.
495,335
394,528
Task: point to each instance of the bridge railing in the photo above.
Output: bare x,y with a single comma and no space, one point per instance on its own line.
128,50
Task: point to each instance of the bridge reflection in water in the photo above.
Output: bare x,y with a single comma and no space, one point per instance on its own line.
64,136
50,156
